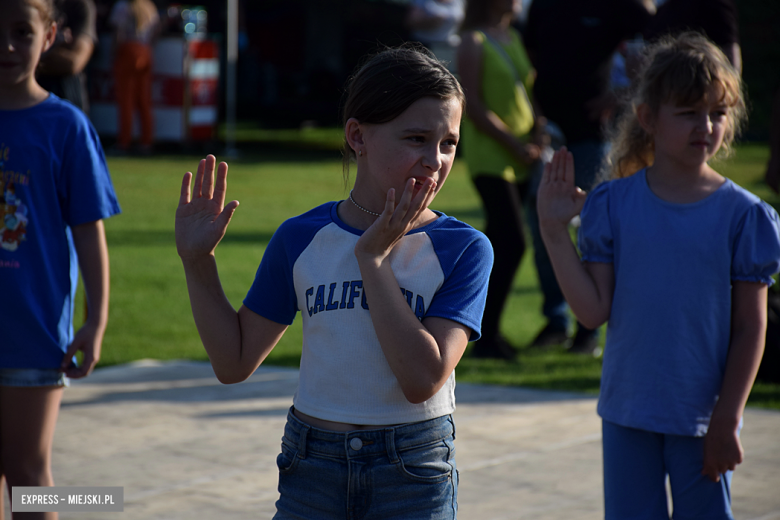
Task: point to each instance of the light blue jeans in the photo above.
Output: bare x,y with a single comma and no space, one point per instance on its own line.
405,472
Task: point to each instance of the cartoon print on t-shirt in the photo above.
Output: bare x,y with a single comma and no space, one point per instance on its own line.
13,226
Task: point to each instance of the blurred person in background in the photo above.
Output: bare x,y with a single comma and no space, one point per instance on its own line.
715,19
571,44
61,69
497,144
435,23
135,24
772,177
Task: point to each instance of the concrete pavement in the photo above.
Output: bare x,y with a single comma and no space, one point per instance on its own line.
184,446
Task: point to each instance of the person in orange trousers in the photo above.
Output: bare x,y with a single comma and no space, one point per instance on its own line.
135,24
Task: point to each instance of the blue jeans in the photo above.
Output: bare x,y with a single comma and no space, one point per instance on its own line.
589,157
403,472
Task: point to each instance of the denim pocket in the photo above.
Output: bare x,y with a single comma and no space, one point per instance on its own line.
288,459
431,463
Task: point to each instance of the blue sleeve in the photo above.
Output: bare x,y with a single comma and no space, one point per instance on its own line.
461,297
272,294
757,247
595,238
85,189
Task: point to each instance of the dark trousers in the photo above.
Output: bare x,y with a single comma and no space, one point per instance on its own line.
502,203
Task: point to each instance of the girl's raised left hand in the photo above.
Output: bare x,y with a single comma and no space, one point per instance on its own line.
395,221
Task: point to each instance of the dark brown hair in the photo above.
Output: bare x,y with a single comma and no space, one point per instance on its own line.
389,82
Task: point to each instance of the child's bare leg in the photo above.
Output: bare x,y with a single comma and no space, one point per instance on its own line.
28,416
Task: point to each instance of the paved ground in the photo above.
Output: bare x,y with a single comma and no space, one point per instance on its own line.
184,446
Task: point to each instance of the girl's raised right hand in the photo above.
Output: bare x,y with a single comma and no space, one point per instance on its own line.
201,220
558,199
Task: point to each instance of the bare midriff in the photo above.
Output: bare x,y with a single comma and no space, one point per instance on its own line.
337,426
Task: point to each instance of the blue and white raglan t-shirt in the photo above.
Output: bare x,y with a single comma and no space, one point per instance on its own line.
310,266
53,176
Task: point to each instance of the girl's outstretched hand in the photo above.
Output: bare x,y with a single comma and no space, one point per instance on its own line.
395,221
203,218
558,199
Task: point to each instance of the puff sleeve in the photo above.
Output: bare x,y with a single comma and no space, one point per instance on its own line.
756,255
595,238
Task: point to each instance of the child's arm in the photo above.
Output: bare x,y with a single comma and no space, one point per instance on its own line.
722,447
587,287
236,342
90,242
422,355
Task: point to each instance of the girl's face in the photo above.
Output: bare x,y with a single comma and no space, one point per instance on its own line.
418,144
690,135
24,36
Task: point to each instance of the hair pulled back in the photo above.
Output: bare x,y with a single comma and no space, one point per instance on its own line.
46,8
682,70
389,82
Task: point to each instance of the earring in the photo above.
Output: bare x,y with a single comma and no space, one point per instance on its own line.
360,153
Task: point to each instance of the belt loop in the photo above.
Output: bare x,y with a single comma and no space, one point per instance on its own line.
452,422
302,441
390,445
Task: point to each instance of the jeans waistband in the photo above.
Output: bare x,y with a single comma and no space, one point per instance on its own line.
366,443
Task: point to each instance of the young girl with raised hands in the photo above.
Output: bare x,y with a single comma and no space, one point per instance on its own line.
677,260
389,291
54,192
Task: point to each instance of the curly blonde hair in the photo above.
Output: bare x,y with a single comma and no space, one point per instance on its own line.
682,70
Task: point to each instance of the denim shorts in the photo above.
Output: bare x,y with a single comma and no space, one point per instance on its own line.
33,377
404,472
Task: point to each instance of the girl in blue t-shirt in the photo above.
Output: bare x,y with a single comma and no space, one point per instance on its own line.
389,292
677,260
54,192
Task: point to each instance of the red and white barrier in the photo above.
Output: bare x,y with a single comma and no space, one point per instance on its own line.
185,82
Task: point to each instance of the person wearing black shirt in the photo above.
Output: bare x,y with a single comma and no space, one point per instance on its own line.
61,69
571,44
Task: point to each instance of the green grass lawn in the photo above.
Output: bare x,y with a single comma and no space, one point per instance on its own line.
150,315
